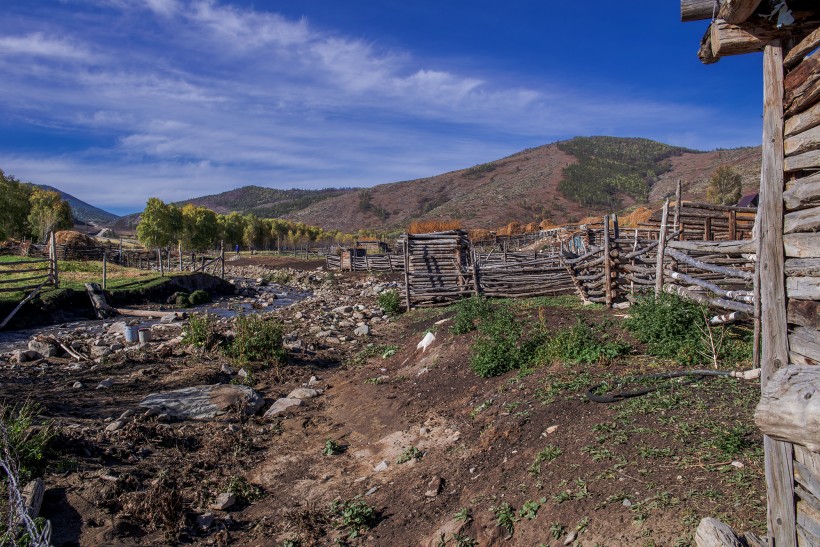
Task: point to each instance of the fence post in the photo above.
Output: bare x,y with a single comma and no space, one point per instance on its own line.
607,265
677,207
406,270
159,259
222,259
120,255
661,250
54,269
105,269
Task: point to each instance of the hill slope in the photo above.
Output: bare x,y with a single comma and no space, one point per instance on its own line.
82,211
563,182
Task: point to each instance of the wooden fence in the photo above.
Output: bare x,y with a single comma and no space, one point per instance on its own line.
22,274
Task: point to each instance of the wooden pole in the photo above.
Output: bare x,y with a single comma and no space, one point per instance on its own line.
677,206
54,267
105,270
707,229
222,259
179,250
120,255
732,225
607,265
661,250
778,456
406,271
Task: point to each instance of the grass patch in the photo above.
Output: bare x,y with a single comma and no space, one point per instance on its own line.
257,338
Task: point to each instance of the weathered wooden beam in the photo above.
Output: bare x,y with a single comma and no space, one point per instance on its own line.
802,121
802,245
805,313
696,10
803,288
804,341
805,220
802,86
713,533
806,160
806,46
805,267
803,193
728,39
802,142
789,407
717,247
705,50
737,11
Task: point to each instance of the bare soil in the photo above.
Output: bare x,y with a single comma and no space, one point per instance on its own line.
639,472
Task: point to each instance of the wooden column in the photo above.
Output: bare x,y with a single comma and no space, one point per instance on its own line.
661,250
407,271
732,225
770,262
707,229
607,265
677,206
54,268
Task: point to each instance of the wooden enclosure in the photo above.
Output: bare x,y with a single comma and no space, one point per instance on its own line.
787,245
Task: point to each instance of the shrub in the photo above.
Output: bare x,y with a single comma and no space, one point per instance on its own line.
182,300
725,186
468,312
496,351
257,338
390,302
24,441
353,515
199,297
201,331
578,344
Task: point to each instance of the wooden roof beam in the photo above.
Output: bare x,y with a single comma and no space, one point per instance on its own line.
732,11
724,38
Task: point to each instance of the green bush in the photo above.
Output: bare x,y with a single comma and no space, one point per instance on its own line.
182,300
579,344
25,440
469,312
257,338
201,331
390,302
199,297
353,516
496,348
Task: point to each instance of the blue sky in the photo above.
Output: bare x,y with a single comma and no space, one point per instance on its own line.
115,101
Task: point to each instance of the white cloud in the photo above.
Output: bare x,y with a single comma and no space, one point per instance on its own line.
37,45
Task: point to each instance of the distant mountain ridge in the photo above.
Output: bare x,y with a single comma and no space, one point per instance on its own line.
563,182
82,211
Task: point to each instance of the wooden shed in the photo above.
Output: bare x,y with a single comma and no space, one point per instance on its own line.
787,244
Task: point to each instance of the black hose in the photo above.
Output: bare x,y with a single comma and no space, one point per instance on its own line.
621,395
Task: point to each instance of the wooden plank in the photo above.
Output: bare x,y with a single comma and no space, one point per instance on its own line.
805,341
661,249
802,86
806,160
805,313
718,247
802,121
805,220
802,245
806,46
737,11
802,193
809,520
696,10
789,406
803,288
802,142
713,533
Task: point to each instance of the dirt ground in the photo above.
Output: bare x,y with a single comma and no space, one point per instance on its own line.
521,459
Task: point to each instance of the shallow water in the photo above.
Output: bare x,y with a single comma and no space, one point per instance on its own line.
221,307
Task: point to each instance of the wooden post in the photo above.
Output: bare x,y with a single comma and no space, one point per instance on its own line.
707,229
661,250
120,255
634,248
607,265
54,269
677,206
770,263
389,261
222,259
179,250
476,284
105,270
732,225
159,259
407,271
615,229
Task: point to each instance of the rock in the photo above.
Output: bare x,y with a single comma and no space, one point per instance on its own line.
98,352
243,373
127,414
46,348
298,315
363,330
332,340
303,393
204,402
434,487
282,405
371,491
168,318
77,385
343,309
20,356
570,537
115,425
621,306
105,384
313,381
627,503
223,501
116,328
205,521
382,466
115,347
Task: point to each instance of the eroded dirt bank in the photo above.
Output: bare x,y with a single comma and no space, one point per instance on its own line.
521,459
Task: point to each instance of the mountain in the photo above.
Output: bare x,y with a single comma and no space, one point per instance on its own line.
82,211
563,182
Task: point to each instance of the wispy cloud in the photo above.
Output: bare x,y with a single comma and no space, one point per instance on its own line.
204,96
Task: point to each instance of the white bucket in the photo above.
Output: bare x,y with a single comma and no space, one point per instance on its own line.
131,334
144,335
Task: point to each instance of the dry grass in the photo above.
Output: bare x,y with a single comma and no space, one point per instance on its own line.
531,227
591,220
429,226
547,224
479,234
636,217
511,229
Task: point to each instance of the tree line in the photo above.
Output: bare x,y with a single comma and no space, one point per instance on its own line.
29,211
197,228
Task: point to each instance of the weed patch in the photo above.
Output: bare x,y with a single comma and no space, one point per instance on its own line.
257,338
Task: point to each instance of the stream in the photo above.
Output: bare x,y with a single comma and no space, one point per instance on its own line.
227,306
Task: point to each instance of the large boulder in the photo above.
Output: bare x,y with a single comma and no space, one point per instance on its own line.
204,402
